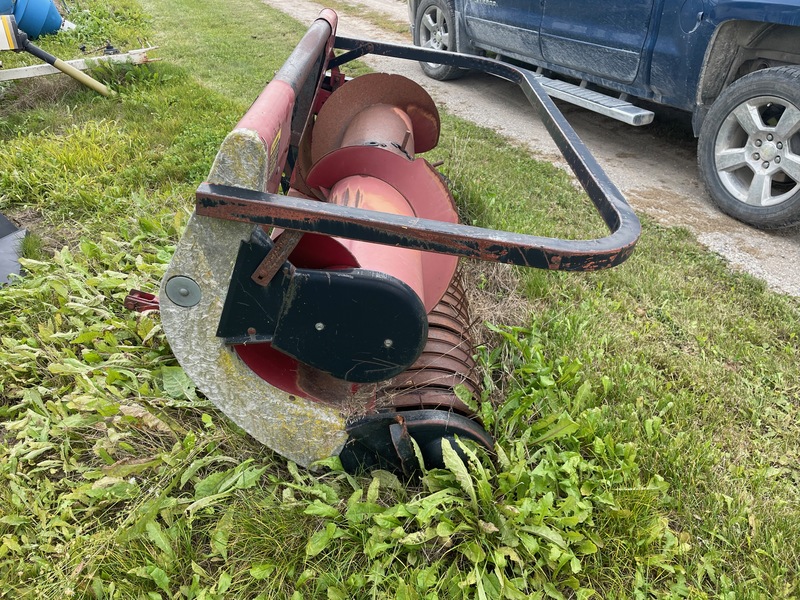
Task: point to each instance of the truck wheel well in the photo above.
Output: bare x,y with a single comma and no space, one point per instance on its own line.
741,47
413,5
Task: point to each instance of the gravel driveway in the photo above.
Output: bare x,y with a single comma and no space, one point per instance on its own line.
654,166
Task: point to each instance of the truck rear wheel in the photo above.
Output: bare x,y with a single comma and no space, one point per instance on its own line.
435,28
749,148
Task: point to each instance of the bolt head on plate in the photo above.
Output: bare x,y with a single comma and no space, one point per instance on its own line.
183,291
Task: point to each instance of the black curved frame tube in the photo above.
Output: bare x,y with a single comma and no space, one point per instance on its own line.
462,240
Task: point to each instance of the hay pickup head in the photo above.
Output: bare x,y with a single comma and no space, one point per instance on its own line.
330,319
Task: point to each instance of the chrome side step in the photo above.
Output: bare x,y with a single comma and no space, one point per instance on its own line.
616,108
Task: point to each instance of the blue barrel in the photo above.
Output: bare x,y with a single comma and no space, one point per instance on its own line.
37,17
6,7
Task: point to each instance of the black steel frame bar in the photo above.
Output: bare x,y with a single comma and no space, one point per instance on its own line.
462,240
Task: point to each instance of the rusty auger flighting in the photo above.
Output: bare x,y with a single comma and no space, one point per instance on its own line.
330,319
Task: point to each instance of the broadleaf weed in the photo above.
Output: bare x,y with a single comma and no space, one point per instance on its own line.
656,459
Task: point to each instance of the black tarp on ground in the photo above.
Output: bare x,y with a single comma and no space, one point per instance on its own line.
10,240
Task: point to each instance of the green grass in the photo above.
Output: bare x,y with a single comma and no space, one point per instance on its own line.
646,417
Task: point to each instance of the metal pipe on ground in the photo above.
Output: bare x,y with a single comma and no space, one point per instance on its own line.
17,40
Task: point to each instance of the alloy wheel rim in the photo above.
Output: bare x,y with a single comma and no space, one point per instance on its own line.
756,149
434,32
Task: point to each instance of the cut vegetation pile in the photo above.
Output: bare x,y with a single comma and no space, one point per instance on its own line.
646,417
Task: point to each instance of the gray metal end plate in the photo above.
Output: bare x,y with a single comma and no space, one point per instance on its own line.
300,429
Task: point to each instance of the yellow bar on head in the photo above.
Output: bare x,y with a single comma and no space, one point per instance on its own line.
9,39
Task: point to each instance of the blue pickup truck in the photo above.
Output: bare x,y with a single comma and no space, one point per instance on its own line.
734,64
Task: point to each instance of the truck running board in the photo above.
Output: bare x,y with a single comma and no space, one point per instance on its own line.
616,108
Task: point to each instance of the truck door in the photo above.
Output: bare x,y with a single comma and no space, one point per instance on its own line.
602,37
507,26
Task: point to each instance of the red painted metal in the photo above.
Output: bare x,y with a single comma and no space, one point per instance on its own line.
395,131
362,198
374,194
272,263
432,233
140,301
341,112
446,362
416,181
271,116
365,139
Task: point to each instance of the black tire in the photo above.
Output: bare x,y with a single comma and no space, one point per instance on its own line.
435,28
749,148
